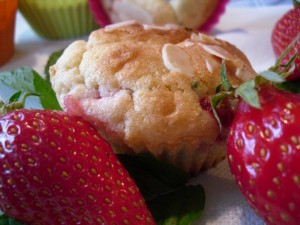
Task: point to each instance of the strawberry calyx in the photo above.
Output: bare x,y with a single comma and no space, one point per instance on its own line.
16,101
296,3
248,91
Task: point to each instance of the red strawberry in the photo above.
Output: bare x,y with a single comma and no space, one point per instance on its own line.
263,144
285,30
56,169
264,155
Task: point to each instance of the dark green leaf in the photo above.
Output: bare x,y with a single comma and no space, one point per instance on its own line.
5,220
164,188
15,97
47,94
153,176
249,94
180,207
51,61
292,86
27,80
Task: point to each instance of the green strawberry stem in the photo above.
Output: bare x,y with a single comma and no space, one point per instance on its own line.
284,72
16,101
248,90
296,3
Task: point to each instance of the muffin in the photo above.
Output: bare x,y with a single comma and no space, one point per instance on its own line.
58,19
195,14
147,89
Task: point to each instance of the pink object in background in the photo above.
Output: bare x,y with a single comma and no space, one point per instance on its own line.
105,10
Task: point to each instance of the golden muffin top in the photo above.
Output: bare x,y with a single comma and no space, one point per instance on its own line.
141,85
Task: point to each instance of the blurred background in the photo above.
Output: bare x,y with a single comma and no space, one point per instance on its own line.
258,2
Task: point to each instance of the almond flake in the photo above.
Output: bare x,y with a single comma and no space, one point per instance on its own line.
212,64
114,26
129,11
165,27
177,60
205,39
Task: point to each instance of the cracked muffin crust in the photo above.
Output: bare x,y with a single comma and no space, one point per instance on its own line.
141,86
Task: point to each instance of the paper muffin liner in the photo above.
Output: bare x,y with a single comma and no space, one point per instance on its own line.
58,19
191,161
198,160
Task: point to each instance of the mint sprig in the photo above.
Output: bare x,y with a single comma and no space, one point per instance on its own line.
28,80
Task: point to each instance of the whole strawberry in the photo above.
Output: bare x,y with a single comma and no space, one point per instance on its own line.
263,144
284,31
56,169
264,155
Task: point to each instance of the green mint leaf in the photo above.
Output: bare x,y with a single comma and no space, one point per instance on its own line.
46,93
153,176
27,80
5,220
164,188
51,61
249,94
271,76
180,207
292,86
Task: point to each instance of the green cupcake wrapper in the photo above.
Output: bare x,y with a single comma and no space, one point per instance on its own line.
58,19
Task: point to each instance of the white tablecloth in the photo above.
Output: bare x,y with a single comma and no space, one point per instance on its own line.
249,28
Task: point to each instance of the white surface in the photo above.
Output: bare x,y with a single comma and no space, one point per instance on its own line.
258,3
249,28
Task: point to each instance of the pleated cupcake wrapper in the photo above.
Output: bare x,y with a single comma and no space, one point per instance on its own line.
192,161
58,22
196,161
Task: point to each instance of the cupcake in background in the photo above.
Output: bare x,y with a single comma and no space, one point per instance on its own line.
58,19
195,14
8,10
